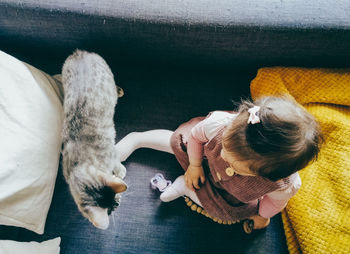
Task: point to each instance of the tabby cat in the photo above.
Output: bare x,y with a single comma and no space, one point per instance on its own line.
91,165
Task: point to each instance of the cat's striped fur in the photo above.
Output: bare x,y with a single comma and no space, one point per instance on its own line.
91,165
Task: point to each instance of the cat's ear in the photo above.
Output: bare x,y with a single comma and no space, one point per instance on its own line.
120,91
116,184
98,217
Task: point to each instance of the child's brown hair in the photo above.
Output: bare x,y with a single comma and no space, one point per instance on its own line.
285,140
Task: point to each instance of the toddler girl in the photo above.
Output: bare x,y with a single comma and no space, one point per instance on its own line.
238,165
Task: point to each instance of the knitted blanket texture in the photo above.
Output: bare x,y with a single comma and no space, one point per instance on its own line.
317,218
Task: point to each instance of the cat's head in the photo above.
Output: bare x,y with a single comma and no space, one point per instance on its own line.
96,194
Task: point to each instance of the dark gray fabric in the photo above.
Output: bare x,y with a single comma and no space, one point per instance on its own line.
276,13
156,98
175,59
215,34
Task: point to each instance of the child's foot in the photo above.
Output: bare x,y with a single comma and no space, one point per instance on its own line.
178,189
174,191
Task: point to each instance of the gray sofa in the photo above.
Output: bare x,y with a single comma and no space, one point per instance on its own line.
175,60
214,34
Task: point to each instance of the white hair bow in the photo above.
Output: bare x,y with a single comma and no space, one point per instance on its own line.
253,115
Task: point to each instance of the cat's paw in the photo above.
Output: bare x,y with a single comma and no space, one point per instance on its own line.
120,171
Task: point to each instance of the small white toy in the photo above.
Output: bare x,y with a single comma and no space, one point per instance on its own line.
159,182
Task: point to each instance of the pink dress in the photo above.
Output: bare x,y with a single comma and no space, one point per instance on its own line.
226,195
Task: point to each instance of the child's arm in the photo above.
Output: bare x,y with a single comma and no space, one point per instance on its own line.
195,172
196,141
270,207
200,134
272,203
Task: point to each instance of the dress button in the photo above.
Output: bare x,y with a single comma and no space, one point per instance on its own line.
218,175
229,171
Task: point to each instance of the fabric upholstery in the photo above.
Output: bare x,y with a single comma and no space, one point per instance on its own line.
222,12
215,34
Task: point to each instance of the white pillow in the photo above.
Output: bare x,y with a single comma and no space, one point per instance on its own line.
31,118
47,247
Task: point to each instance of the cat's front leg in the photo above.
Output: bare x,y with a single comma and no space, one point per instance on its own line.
119,170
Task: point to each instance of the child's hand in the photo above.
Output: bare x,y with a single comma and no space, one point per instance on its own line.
192,176
260,222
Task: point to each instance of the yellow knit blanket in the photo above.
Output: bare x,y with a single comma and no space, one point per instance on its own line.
317,218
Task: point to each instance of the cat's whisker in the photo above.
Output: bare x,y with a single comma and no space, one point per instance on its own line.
128,193
113,220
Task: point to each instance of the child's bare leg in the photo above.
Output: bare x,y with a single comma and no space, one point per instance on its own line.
158,140
179,189
154,139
